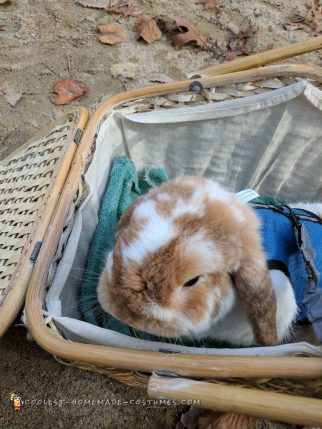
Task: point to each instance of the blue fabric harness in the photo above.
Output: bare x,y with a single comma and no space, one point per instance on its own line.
292,239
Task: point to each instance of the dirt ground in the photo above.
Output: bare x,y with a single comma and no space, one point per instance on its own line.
44,41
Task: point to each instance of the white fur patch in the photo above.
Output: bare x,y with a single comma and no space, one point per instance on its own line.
203,328
234,325
197,329
109,265
210,190
157,232
186,180
286,303
163,314
145,210
214,190
164,196
226,304
200,328
206,249
261,262
238,214
183,208
191,327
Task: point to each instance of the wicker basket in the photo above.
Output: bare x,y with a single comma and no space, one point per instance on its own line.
31,182
267,387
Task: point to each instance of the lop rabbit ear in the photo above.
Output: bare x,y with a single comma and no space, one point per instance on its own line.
253,283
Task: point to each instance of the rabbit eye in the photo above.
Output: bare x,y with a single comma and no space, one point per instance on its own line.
192,282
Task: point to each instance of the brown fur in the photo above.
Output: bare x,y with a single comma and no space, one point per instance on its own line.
159,279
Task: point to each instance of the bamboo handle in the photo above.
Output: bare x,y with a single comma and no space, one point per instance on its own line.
292,70
257,60
275,406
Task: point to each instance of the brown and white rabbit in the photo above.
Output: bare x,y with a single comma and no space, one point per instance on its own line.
188,260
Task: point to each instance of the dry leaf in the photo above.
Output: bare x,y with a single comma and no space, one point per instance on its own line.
237,46
138,107
12,97
317,30
147,29
270,83
97,4
184,97
208,4
232,92
163,102
126,70
230,55
67,90
3,1
296,18
247,86
296,22
219,97
292,26
316,10
123,8
269,47
218,50
262,90
311,24
160,77
244,36
113,33
181,31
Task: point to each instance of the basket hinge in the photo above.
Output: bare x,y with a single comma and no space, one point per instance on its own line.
78,135
35,252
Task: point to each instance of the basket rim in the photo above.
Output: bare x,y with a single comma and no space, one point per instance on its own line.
206,366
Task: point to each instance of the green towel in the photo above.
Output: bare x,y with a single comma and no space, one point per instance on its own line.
268,200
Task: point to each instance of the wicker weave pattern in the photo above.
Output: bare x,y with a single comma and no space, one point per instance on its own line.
304,387
24,180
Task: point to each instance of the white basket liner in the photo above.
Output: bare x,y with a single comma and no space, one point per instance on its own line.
268,142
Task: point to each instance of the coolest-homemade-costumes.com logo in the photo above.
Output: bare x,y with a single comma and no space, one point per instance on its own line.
16,402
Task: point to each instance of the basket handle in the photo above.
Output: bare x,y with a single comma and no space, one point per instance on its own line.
306,71
254,402
262,58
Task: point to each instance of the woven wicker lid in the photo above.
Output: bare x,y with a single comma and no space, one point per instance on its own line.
31,180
